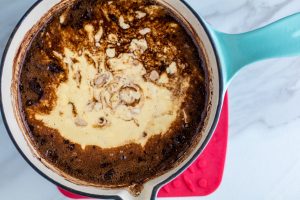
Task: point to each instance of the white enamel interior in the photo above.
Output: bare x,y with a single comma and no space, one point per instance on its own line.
29,21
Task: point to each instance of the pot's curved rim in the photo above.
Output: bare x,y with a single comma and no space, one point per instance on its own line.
216,119
117,197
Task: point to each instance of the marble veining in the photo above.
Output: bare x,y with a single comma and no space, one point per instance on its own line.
263,160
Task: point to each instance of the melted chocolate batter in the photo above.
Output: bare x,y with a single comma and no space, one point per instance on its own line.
43,71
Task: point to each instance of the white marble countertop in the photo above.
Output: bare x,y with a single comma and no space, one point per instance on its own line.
263,161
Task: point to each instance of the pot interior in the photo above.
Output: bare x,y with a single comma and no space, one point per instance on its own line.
12,119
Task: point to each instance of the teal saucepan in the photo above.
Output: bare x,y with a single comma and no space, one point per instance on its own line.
225,54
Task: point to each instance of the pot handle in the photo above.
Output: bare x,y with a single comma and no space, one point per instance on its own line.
279,39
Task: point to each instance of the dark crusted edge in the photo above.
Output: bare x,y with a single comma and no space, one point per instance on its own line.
158,186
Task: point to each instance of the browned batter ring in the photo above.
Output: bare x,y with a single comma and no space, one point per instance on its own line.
170,53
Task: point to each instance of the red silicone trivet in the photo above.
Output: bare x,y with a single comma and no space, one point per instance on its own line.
204,176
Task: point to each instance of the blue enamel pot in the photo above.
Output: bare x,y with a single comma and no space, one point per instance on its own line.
225,55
